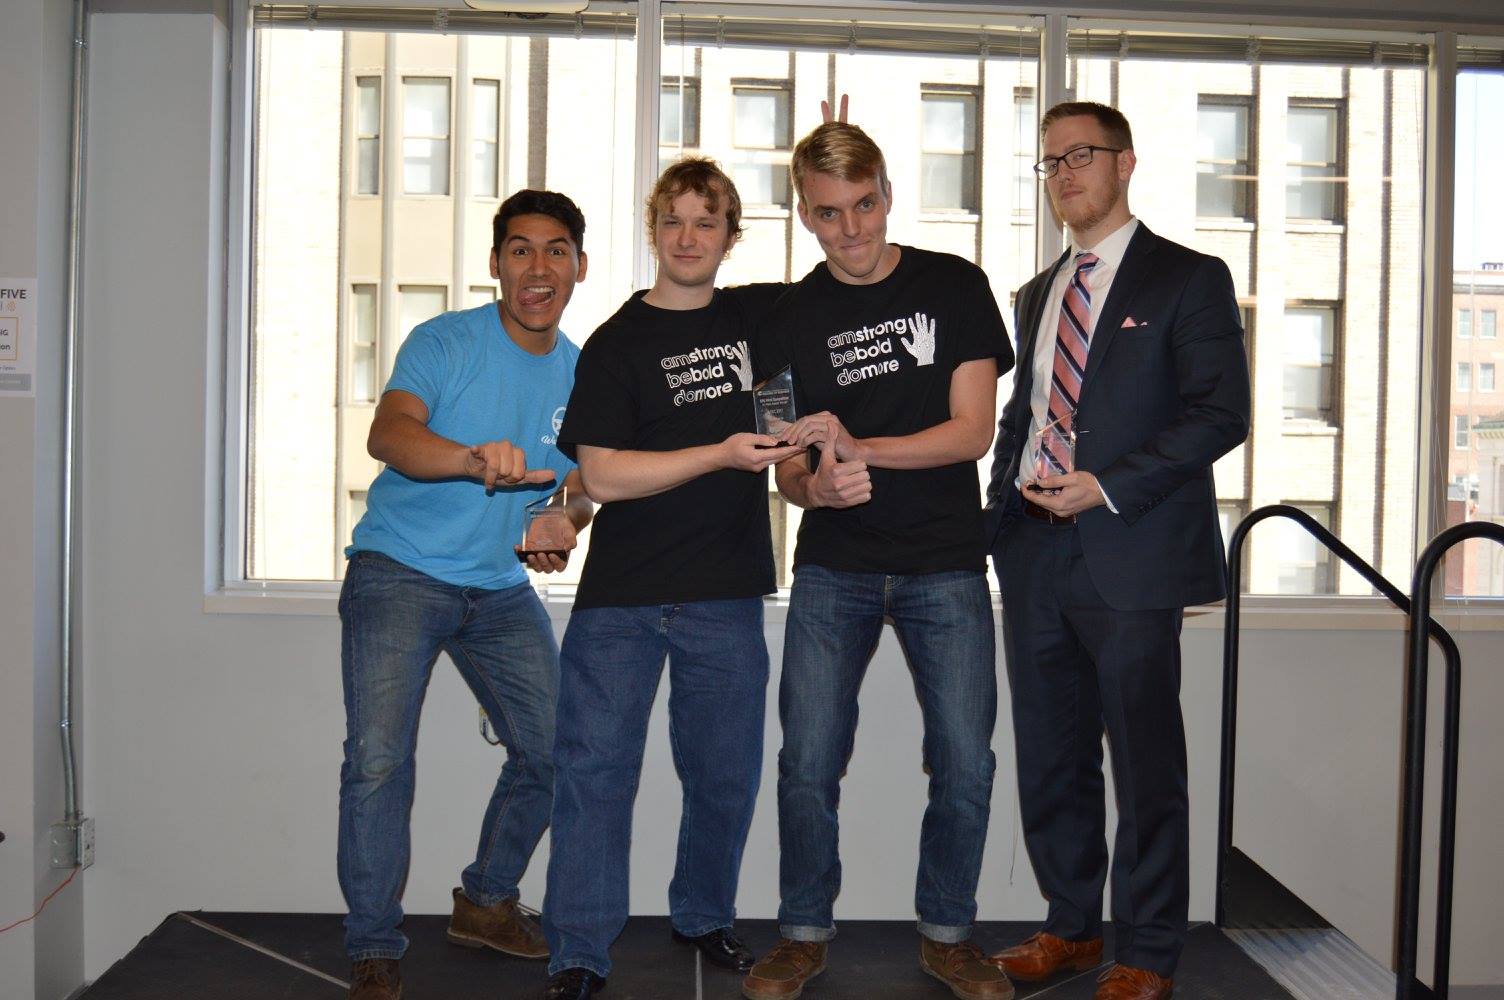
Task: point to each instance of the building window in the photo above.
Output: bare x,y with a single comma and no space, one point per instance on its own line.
1465,324
425,135
418,304
1305,565
1309,351
368,135
679,112
363,371
1223,186
1489,328
948,151
357,510
485,126
1464,376
1025,151
1486,377
1313,152
761,141
1460,425
482,295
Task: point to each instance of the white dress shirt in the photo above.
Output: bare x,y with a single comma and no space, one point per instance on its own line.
1098,283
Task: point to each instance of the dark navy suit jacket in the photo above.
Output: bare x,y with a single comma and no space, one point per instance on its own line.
1161,400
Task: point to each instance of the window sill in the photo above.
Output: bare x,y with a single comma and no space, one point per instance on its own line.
765,212
1303,427
969,218
1317,226
1259,612
1225,225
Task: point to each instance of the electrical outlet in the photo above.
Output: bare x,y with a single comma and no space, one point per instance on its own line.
72,844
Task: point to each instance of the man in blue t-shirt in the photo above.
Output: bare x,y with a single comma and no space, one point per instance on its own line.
467,429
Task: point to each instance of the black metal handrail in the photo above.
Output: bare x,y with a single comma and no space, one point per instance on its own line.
1417,671
1409,875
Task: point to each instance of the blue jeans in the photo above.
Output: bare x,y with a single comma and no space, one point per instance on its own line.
610,665
944,623
396,620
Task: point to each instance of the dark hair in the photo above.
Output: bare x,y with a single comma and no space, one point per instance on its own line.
705,178
531,202
1111,119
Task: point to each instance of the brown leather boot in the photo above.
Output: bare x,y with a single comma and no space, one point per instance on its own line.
964,968
376,979
782,972
503,926
1044,955
1123,982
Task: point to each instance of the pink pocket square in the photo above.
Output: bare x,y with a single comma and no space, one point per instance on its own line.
1130,323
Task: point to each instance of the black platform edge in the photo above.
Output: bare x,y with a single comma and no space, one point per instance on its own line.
1256,900
869,960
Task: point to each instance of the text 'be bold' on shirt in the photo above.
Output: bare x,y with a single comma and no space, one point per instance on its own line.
654,379
880,357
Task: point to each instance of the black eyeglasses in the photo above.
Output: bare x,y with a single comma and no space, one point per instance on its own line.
1075,159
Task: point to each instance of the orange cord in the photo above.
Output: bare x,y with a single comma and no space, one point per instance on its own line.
18,923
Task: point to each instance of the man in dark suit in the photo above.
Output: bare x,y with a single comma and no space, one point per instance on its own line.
1103,529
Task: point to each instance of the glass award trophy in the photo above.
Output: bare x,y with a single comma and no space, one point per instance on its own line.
774,402
543,531
1052,452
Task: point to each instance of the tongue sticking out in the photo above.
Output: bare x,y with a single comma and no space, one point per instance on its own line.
531,299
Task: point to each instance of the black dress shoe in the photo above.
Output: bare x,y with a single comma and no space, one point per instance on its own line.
723,948
573,984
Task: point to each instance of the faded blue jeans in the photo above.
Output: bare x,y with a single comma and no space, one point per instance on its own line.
396,621
610,663
944,623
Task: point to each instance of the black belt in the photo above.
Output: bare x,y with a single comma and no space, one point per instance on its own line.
1041,514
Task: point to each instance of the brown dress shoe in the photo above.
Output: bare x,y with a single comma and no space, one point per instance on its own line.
1045,955
503,926
782,972
964,968
376,979
1123,982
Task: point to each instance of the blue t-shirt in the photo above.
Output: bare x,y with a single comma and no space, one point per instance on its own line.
478,386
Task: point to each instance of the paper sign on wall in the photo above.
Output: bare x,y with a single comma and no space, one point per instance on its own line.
18,336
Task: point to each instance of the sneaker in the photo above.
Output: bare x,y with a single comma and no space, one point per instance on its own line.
506,926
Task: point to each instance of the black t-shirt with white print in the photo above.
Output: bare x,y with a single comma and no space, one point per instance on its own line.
654,379
880,357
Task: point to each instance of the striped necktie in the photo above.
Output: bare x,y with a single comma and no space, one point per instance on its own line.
1072,343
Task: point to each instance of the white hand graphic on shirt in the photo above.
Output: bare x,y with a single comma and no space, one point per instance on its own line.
923,344
743,369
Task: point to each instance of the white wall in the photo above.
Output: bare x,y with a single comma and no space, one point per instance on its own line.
214,739
44,958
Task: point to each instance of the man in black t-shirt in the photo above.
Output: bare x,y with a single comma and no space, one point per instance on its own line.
896,353
661,421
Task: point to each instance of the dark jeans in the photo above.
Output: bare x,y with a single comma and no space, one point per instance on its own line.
611,662
396,620
944,621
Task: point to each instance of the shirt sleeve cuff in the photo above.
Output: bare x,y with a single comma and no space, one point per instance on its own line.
1106,499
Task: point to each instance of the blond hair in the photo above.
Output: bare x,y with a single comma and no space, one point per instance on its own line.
842,150
704,177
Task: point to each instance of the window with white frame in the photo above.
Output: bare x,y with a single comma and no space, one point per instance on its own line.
1305,565
425,135
1464,324
948,150
363,363
368,135
1310,351
485,126
1222,135
1464,376
1025,151
762,139
1489,327
481,295
1486,376
1461,424
1313,190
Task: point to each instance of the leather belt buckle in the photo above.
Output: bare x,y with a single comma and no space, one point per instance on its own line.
1048,516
